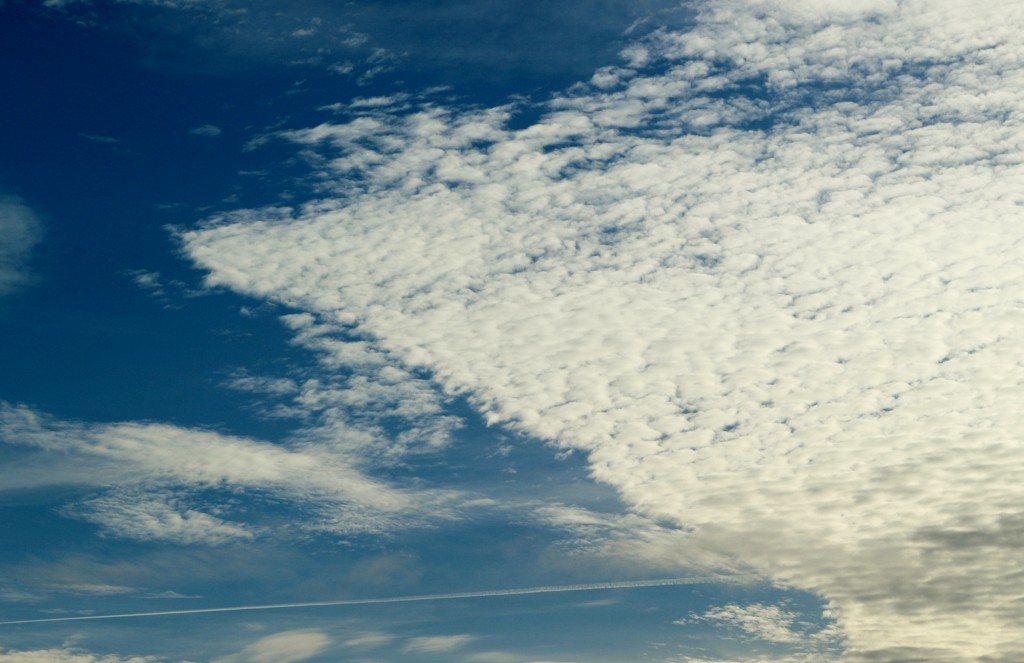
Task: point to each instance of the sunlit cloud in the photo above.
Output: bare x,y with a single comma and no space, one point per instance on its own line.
150,478
67,656
766,274
437,643
284,647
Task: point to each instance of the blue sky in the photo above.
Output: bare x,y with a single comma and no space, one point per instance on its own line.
317,302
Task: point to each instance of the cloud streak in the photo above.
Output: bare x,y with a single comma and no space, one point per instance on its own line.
149,477
284,647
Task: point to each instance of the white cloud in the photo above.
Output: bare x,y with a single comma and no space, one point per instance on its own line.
770,284
158,517
794,658
263,385
503,657
493,657
284,647
829,9
437,643
627,539
96,589
207,130
168,292
20,231
391,102
370,639
65,656
151,475
149,281
352,406
771,623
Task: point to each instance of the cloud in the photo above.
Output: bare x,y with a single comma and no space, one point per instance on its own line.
207,130
147,280
628,539
262,385
370,639
96,589
152,478
493,657
20,230
64,4
225,35
795,658
358,401
168,292
504,657
770,623
99,139
429,644
767,276
158,517
284,647
66,656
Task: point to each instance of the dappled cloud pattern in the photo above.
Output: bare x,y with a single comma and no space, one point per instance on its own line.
767,273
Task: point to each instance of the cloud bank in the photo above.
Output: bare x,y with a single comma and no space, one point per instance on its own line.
766,273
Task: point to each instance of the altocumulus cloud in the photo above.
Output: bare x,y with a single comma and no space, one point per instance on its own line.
767,274
770,623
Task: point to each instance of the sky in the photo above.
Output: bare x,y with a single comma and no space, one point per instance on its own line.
603,332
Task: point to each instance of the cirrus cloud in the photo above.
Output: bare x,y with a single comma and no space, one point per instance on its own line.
153,481
284,647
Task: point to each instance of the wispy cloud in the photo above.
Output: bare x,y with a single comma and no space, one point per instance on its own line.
437,643
791,658
770,623
67,656
169,292
20,231
353,400
284,647
371,639
765,273
151,476
101,139
150,515
207,130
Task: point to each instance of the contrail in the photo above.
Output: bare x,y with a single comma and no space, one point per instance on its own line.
550,589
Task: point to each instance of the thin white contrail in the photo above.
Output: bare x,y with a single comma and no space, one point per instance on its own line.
629,584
